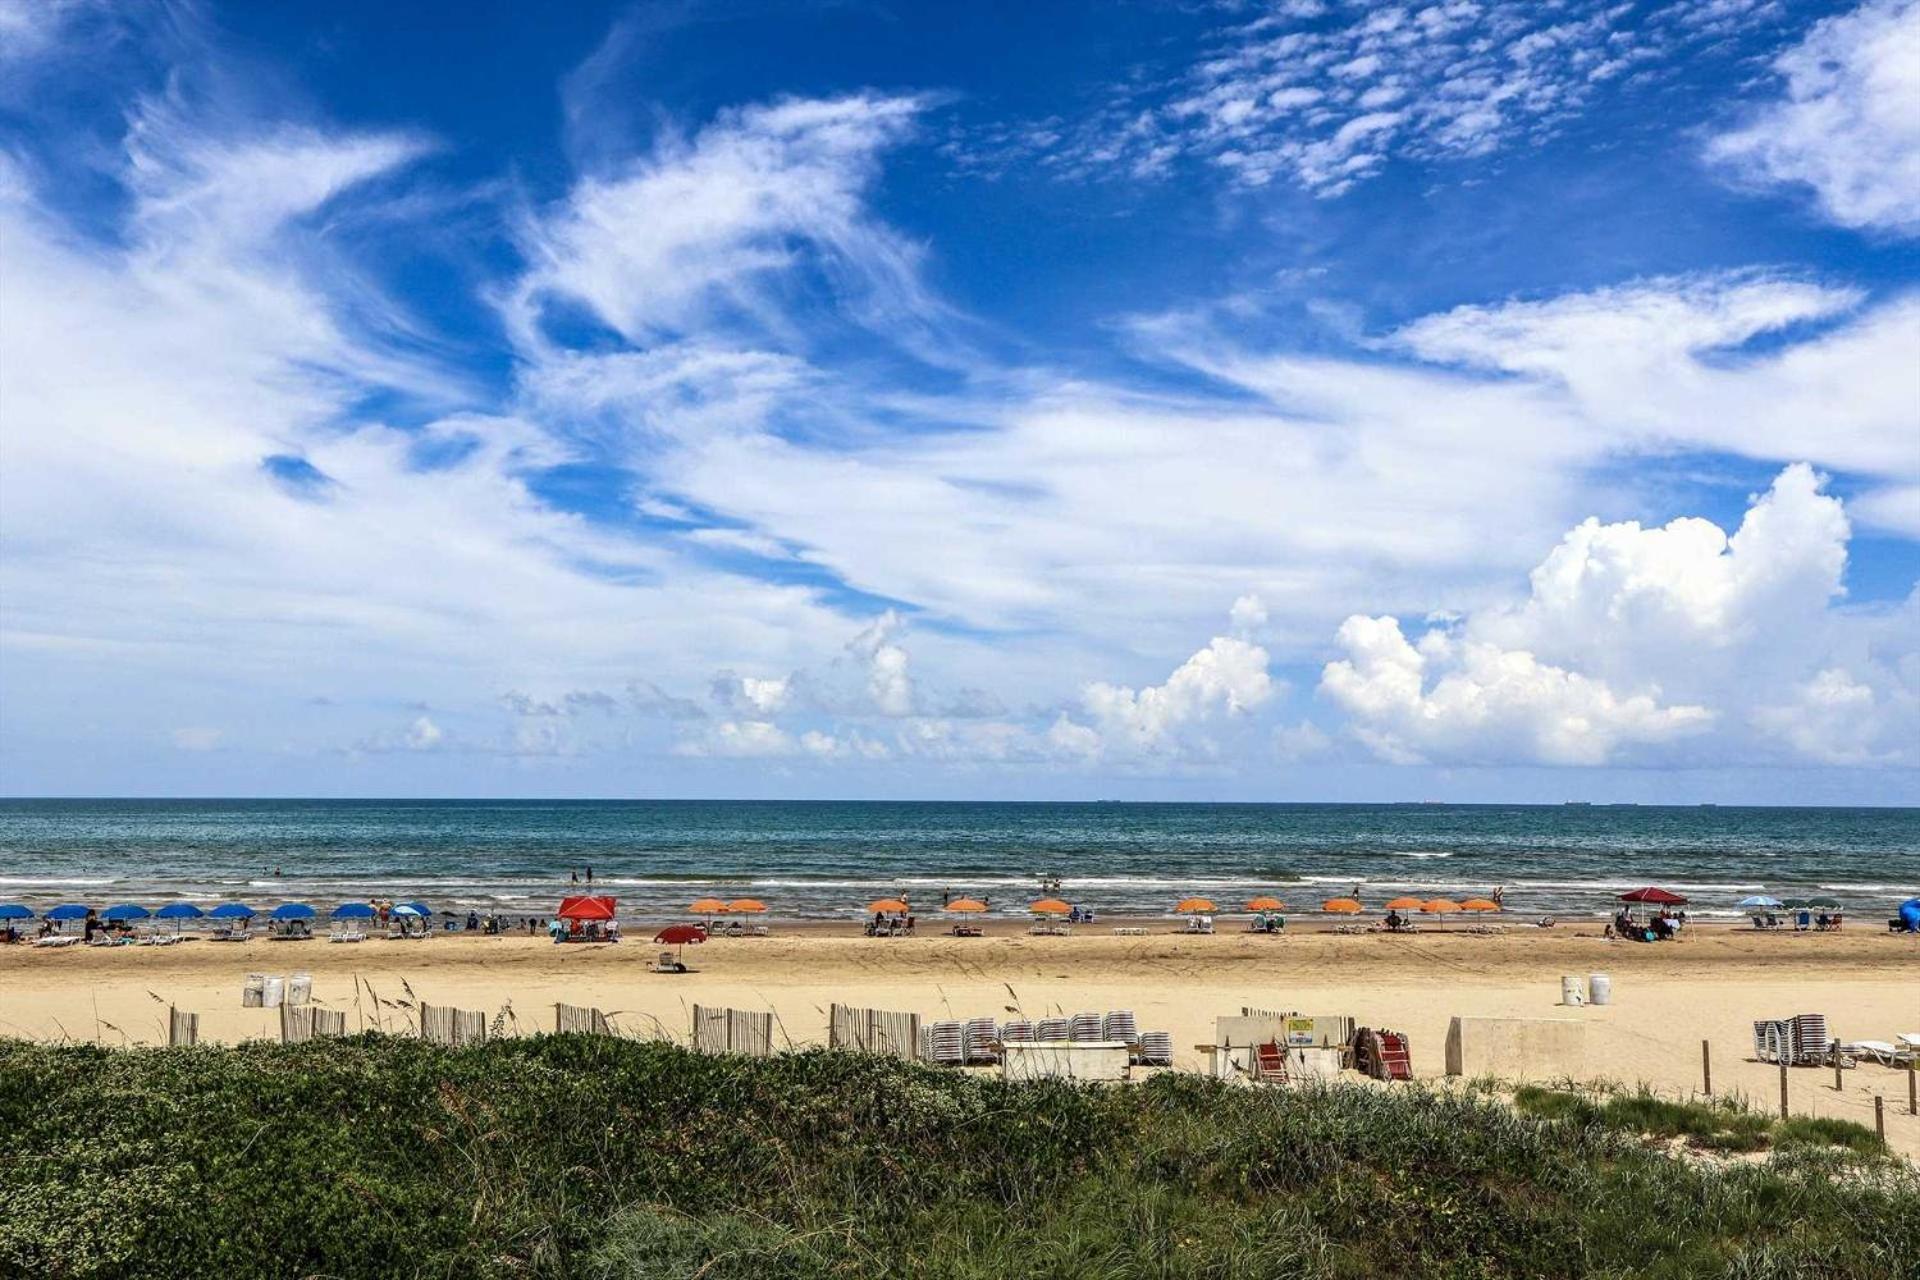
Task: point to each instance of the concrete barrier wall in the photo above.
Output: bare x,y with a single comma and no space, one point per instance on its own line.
1061,1060
1517,1048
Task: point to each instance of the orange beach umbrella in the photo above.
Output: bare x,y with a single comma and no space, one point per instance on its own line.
889,906
1194,906
1439,906
748,906
1050,907
966,906
1480,904
1342,906
707,907
1408,903
1265,903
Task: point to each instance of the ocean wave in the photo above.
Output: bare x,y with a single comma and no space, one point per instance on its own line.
1421,853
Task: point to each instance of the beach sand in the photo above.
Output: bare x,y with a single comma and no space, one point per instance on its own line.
1667,997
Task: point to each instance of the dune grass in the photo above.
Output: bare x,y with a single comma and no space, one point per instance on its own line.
615,1159
1719,1125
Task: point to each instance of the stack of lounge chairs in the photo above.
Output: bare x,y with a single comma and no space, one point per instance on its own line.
980,1041
945,1044
1156,1048
1800,1041
1384,1055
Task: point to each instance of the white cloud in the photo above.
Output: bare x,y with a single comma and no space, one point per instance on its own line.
1636,638
1294,96
1849,124
1486,703
696,235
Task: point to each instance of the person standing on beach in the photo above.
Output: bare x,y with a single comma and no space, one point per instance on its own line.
589,875
573,877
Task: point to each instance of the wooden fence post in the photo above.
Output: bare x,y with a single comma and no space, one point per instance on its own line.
1783,1088
1706,1068
1838,1085
1880,1116
1913,1094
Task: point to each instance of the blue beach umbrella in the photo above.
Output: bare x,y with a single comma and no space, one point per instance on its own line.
232,911
1910,914
179,911
418,908
352,911
69,911
1759,900
125,911
408,909
293,911
14,911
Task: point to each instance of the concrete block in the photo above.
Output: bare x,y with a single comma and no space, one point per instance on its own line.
1517,1048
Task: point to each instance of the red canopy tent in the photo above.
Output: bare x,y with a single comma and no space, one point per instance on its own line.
582,906
1654,897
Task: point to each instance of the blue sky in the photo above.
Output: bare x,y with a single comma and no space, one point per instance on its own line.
1303,400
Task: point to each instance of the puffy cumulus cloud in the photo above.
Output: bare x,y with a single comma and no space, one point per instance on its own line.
762,695
1485,704
1229,676
1848,125
694,235
1673,643
1224,681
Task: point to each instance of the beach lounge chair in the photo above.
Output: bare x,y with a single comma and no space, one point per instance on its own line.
1120,1025
1270,1063
1884,1052
1084,1028
1051,1029
667,962
1017,1031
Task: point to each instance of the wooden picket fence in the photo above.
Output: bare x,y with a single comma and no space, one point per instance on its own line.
580,1020
733,1031
873,1031
302,1022
444,1024
182,1028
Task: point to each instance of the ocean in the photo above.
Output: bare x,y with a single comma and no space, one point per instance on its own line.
825,860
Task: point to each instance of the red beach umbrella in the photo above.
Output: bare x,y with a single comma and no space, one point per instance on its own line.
1654,897
679,935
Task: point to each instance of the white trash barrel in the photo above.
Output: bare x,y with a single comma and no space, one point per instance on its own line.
300,988
273,992
250,995
1571,991
1599,989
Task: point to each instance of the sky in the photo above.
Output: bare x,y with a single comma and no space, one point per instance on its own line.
1306,400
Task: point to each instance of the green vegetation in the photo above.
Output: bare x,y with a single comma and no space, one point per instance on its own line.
616,1159
1721,1125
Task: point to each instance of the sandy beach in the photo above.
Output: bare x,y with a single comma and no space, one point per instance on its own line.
1666,998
